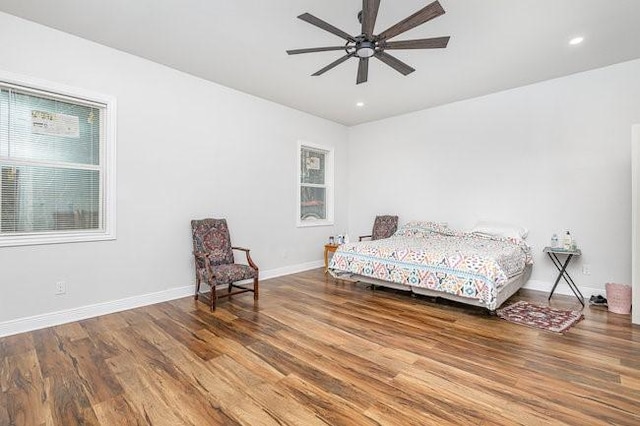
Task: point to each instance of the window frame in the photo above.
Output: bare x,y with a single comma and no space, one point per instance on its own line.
328,185
107,105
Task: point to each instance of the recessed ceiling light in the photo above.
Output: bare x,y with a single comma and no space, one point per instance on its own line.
359,104
576,40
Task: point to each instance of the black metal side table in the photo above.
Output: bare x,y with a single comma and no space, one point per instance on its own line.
562,269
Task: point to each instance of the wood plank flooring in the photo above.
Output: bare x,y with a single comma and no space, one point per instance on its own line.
315,351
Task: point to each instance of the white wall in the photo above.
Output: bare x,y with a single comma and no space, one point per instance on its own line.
186,148
551,156
635,223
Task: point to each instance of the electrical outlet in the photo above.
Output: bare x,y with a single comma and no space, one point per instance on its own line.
586,269
61,287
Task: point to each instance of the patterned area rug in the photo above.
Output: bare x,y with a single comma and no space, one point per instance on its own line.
525,313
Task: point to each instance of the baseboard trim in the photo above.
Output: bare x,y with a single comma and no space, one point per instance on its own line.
37,322
562,288
292,269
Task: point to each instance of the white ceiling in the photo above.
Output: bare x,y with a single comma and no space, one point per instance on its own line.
495,45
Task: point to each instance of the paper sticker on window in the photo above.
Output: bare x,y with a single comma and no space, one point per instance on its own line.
313,163
55,124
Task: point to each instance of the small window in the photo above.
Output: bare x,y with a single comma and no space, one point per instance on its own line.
315,195
56,165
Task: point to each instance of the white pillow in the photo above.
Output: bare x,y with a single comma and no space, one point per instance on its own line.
497,229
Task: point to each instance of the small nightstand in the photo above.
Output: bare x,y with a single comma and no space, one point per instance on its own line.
562,269
328,248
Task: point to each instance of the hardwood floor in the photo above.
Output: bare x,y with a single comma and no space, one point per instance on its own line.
314,351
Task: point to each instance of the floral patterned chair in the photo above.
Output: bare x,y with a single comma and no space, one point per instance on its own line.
383,227
214,260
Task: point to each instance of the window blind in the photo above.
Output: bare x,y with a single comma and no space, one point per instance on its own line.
51,171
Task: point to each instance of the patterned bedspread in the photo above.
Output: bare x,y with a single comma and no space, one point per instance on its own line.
437,258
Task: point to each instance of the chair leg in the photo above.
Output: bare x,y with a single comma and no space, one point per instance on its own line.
214,297
197,286
255,289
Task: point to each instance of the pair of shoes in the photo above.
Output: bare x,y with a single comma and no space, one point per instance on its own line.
598,300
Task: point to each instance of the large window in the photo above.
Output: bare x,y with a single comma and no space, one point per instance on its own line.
56,164
315,194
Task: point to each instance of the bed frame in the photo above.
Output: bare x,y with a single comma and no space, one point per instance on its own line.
508,290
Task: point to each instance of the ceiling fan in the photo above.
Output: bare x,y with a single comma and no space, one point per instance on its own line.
367,44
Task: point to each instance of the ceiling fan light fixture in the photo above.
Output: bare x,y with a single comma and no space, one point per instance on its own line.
365,49
360,104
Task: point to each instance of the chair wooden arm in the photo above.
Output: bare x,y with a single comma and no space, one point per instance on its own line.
205,258
249,260
202,256
360,238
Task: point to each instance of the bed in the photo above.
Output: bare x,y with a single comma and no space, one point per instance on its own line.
428,258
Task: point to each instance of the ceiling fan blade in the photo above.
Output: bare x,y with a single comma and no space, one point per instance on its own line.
394,63
363,70
333,64
314,49
369,15
425,14
423,43
307,17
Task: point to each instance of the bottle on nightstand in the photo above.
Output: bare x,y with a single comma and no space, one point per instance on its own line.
567,241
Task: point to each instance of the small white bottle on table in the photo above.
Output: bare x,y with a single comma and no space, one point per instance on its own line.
568,241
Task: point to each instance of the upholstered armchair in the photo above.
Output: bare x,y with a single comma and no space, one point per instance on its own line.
215,264
383,227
